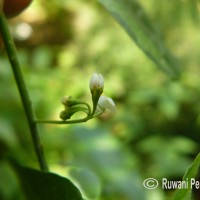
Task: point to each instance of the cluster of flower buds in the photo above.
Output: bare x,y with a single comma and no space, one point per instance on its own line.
71,107
101,103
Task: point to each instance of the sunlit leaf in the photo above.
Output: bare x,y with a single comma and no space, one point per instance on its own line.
134,20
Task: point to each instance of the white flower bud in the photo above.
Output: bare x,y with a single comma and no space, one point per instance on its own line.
96,82
106,103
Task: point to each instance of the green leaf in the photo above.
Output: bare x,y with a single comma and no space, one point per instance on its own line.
185,194
38,185
134,20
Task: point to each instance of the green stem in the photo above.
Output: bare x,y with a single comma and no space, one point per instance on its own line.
12,55
95,99
62,122
88,107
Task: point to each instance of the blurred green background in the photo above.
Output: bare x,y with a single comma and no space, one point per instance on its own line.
155,131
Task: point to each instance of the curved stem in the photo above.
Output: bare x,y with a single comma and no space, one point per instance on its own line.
89,109
12,55
85,119
79,109
62,122
98,114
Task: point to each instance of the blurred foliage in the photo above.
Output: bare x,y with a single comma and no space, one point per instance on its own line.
155,131
134,20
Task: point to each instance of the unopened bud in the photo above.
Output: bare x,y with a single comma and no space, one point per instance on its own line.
96,82
66,114
106,103
69,101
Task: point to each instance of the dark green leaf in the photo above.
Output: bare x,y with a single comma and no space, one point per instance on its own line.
38,185
134,20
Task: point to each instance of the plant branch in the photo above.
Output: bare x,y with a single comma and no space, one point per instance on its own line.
12,55
62,122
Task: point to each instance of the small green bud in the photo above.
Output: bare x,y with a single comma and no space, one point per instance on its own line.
66,114
68,101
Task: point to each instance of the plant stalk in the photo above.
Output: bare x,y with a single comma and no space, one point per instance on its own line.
12,55
62,122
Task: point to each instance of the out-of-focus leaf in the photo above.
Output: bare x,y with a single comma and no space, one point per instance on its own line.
7,133
106,156
86,181
9,185
38,185
185,194
134,20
